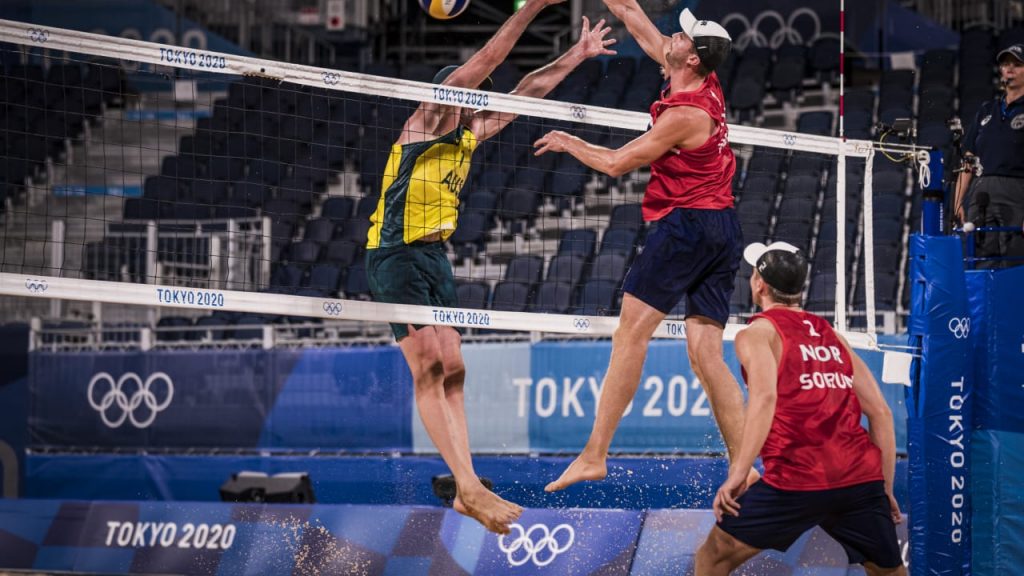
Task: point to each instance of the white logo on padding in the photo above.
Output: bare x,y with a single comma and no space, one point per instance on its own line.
1018,122
123,406
539,544
960,327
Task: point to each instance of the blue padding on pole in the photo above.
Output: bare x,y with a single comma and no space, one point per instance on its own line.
939,408
997,443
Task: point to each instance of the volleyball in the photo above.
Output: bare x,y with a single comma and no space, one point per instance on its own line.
444,9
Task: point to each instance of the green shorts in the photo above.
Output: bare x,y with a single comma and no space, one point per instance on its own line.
417,273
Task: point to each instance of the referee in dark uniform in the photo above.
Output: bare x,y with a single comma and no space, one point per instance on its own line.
994,145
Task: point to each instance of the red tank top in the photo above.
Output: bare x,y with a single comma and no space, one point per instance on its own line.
816,441
699,178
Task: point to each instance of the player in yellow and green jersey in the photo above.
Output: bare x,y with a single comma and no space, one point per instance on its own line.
406,262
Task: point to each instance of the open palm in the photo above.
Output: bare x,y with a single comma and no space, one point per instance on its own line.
592,40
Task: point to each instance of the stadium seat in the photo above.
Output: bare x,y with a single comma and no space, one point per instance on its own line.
579,241
552,297
525,269
566,267
510,297
597,298
473,295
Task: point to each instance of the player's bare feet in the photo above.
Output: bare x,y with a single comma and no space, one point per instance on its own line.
487,508
582,468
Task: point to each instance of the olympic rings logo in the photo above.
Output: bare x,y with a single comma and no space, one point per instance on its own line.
127,405
38,35
36,286
960,327
578,112
526,547
788,140
331,78
785,31
332,308
581,324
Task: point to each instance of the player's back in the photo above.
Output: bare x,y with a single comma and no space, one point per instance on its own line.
816,441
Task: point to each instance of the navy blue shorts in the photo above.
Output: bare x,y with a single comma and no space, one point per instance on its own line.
691,252
858,517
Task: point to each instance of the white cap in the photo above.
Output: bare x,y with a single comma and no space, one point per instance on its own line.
710,40
699,28
754,251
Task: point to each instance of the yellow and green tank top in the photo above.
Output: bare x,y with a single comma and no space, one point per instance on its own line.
421,189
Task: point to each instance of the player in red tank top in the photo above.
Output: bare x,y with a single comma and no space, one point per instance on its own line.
694,251
808,390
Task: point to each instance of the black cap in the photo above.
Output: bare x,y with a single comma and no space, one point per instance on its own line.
781,265
1016,50
445,72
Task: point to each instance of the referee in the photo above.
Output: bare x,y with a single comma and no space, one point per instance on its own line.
993,145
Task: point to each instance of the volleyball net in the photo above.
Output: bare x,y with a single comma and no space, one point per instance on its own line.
223,190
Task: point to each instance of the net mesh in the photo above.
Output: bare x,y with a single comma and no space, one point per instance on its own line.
147,175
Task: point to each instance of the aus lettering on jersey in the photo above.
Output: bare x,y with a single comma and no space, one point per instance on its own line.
819,379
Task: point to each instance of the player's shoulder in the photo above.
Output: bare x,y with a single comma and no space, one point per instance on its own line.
761,330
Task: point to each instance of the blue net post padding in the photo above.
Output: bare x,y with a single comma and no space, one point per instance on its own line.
997,441
939,409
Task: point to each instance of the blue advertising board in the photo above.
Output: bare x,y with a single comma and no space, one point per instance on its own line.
251,539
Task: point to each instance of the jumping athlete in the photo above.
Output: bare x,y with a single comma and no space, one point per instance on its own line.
695,249
406,262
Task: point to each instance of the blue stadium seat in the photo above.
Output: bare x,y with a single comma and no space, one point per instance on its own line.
320,230
819,123
355,230
525,268
510,297
357,287
626,216
619,241
470,235
597,298
609,266
249,327
287,276
324,278
566,267
579,241
341,253
473,295
304,252
552,297
337,208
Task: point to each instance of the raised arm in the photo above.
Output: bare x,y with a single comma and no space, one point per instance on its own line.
540,82
482,63
640,27
679,127
880,422
432,119
754,350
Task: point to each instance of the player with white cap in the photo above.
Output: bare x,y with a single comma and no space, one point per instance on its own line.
694,251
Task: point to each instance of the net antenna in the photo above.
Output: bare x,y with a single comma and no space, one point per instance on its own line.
214,64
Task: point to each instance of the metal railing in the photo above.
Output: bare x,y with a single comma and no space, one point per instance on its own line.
233,254
963,14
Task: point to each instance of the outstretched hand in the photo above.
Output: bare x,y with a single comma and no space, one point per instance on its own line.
554,141
592,41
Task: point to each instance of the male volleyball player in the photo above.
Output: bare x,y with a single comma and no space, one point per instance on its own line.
695,248
807,391
406,261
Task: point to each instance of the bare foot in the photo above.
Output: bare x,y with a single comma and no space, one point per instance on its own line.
487,508
582,468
